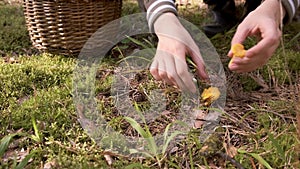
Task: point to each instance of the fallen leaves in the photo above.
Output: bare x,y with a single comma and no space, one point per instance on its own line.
298,120
108,159
297,107
200,118
11,60
208,96
14,154
50,165
231,150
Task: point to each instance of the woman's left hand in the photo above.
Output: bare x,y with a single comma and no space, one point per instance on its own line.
263,23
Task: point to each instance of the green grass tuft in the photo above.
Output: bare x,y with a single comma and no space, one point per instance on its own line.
13,32
38,116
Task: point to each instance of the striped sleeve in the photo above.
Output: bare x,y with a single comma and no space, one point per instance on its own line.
157,7
290,7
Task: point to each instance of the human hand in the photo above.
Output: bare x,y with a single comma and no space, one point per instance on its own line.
263,23
169,63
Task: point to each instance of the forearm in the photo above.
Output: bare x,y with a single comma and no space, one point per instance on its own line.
273,9
155,8
290,7
287,9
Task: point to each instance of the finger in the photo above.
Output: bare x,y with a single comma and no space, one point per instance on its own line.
266,45
232,65
198,60
171,71
230,54
166,67
162,72
163,68
184,80
154,70
172,64
241,61
240,35
244,66
240,69
237,63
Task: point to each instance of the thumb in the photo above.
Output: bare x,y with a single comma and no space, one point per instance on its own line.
239,37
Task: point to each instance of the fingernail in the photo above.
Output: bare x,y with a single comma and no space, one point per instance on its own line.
195,80
229,53
232,66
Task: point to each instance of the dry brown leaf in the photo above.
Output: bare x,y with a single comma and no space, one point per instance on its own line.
204,148
13,154
50,165
199,118
298,116
231,151
11,60
166,112
108,159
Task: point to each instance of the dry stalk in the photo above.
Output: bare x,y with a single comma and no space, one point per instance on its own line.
297,108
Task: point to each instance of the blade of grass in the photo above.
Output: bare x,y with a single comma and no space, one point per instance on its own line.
145,134
290,42
132,57
172,164
170,138
191,158
167,139
277,146
149,43
137,127
135,166
36,135
139,111
191,62
171,124
25,161
205,162
135,151
257,157
5,143
137,42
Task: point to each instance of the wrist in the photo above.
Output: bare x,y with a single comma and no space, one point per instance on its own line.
166,21
275,9
158,8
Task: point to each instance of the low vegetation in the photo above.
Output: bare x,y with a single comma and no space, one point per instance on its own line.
40,128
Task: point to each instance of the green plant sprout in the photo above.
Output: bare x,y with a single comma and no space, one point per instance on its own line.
147,135
36,136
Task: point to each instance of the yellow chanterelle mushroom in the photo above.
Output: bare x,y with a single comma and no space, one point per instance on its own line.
238,51
209,95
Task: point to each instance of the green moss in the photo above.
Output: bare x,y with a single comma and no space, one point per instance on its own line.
40,87
13,32
22,79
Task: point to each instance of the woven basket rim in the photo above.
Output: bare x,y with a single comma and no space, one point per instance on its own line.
65,27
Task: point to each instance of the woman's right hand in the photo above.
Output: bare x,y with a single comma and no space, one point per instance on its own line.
174,44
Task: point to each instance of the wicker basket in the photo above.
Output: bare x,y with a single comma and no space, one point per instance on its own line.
63,26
